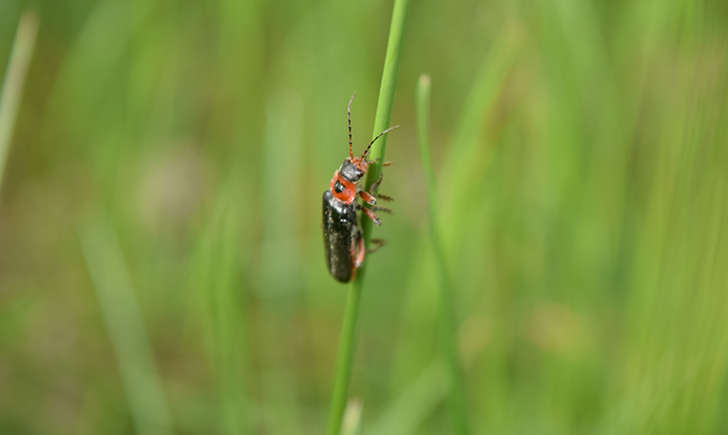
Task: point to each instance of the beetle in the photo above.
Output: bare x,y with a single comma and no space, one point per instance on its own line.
344,244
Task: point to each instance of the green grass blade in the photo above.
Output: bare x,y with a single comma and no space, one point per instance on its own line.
448,329
125,324
415,403
218,277
343,363
352,418
12,90
464,159
381,122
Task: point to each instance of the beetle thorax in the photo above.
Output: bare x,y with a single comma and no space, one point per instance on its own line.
342,188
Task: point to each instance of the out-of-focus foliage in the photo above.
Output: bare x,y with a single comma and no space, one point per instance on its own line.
161,263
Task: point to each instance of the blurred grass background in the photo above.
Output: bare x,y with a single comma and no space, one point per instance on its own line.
161,262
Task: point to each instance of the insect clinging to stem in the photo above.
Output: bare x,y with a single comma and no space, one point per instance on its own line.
343,239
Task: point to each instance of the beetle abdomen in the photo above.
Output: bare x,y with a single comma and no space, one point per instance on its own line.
340,233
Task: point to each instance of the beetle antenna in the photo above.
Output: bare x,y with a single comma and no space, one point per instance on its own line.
348,117
366,151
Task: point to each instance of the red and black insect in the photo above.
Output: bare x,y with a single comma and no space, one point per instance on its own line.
343,241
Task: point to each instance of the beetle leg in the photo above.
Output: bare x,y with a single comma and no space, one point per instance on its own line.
368,197
361,253
379,160
384,209
369,212
378,244
375,186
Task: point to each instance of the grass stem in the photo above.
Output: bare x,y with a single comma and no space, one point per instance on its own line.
13,84
448,328
125,325
382,119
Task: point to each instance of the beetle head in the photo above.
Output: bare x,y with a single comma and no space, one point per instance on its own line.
354,169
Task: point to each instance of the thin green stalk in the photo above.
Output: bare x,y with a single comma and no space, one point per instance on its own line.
218,276
347,341
448,328
343,362
125,325
414,403
13,84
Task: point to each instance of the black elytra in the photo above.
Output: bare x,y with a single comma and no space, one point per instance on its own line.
342,236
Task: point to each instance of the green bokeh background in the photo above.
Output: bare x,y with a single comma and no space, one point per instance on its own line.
161,262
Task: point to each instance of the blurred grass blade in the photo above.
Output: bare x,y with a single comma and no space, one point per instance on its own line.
352,418
217,276
381,122
415,403
280,292
458,172
465,156
125,325
12,90
446,302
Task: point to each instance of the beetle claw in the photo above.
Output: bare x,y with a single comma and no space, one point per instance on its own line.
369,212
378,244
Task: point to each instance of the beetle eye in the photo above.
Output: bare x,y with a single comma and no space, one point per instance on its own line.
339,187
